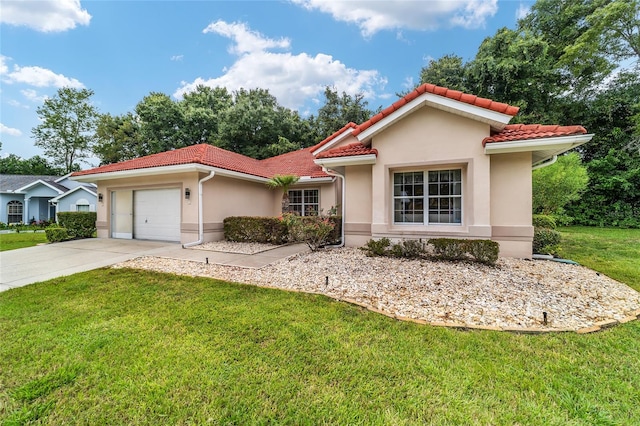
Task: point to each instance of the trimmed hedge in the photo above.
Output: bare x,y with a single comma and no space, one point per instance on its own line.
545,237
546,241
270,230
78,224
483,251
55,234
448,248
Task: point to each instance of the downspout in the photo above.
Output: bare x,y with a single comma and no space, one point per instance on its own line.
336,174
200,212
545,163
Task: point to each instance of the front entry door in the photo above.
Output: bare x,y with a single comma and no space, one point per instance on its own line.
122,214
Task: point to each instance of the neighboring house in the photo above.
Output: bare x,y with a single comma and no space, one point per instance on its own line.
26,198
437,163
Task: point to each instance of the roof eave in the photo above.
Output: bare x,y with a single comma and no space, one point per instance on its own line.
543,148
181,168
77,188
353,160
496,120
39,181
342,136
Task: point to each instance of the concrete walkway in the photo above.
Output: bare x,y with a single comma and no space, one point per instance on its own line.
34,264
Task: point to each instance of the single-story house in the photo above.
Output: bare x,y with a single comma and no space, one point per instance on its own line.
26,198
436,163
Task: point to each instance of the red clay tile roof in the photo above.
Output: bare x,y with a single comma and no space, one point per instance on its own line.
325,141
518,132
440,91
298,162
353,149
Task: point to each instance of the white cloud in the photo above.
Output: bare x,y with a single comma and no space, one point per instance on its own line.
9,130
17,104
33,96
177,57
4,68
523,10
372,16
292,78
45,15
246,41
35,76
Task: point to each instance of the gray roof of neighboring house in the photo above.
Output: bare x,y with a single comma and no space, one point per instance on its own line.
9,183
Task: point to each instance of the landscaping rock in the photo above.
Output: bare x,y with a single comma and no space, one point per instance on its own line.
512,295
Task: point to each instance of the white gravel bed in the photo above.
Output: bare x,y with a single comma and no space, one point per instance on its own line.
512,295
235,247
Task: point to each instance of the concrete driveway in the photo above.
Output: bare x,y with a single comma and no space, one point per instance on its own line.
34,264
40,263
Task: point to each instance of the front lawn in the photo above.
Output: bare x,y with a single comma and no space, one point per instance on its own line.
134,347
612,251
21,240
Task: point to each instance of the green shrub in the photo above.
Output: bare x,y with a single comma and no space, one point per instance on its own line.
410,249
376,247
545,241
56,234
449,248
78,224
544,221
315,231
484,251
271,230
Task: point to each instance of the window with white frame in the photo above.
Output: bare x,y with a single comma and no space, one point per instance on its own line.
14,211
82,205
434,200
305,202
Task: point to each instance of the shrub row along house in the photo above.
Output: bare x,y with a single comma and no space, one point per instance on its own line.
436,163
36,198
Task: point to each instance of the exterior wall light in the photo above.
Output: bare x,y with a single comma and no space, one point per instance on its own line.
100,197
187,193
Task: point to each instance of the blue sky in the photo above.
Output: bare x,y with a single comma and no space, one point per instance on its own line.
123,50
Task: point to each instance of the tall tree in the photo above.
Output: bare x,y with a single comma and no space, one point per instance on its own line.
67,128
588,38
36,165
202,110
516,68
449,71
255,122
161,122
119,138
339,110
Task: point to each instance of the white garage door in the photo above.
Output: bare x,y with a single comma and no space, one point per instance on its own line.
156,214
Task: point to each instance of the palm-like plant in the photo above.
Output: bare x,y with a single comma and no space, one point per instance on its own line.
283,182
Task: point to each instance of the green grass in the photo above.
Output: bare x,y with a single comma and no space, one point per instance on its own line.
21,240
612,251
134,347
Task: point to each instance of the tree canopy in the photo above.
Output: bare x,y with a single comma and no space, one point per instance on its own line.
67,130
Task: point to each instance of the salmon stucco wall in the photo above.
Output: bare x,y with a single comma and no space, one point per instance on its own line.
224,197
511,203
431,139
358,211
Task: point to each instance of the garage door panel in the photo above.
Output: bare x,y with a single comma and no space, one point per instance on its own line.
157,214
